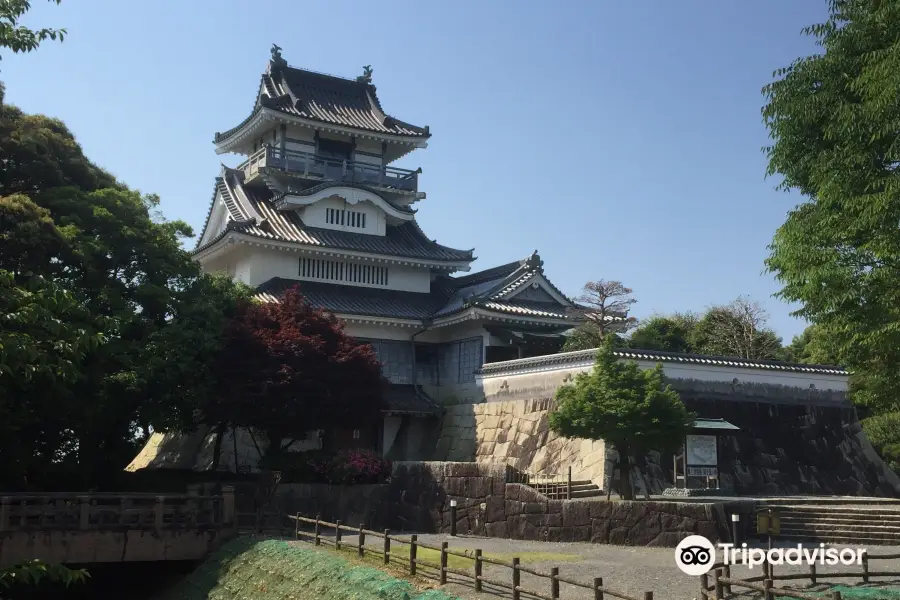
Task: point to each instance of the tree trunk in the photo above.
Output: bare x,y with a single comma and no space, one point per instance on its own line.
625,490
217,448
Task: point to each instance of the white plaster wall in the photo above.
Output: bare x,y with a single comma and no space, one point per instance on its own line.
217,219
315,216
380,332
258,265
539,382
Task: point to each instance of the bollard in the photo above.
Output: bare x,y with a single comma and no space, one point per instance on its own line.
735,525
453,518
727,572
554,583
387,546
412,553
478,566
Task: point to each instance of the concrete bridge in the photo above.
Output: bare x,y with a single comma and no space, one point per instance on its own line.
99,528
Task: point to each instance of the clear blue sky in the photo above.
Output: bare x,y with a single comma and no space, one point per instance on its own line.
621,139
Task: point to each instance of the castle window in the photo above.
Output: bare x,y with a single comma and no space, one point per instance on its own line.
334,149
335,270
346,218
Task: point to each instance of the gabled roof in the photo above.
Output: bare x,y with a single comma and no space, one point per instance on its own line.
490,290
326,99
254,213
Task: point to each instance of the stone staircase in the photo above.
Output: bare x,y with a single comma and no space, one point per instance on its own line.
843,524
557,491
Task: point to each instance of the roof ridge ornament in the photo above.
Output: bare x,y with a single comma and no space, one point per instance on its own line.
534,261
277,60
366,77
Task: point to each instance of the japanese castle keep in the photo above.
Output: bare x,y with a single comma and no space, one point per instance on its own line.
318,203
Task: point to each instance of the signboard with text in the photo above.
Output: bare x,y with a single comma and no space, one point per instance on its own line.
702,451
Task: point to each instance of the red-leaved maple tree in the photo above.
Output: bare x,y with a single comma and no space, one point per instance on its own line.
286,368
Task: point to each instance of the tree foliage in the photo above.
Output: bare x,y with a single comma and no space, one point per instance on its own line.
36,572
834,120
605,306
17,37
632,410
667,333
736,329
286,368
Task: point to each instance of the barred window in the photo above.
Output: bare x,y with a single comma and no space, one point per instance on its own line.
336,270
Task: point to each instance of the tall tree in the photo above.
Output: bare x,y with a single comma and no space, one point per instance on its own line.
632,410
834,120
605,311
736,329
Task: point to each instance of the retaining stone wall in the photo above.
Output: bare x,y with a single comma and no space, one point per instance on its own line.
418,500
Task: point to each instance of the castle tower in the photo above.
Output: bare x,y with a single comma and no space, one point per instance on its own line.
317,203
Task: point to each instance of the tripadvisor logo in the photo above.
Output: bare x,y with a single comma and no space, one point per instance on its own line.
695,555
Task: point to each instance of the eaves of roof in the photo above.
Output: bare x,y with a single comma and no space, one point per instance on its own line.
582,356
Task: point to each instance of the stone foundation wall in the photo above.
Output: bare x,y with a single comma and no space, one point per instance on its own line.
417,499
517,433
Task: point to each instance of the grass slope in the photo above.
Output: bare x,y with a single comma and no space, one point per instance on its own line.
247,569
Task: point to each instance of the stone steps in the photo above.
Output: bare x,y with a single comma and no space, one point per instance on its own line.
849,524
580,489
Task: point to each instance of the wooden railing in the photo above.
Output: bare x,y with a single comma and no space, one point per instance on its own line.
476,576
311,165
556,486
723,584
115,511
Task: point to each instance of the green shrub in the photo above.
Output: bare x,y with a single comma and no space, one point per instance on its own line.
884,432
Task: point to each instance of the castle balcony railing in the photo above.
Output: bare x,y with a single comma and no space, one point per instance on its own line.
308,165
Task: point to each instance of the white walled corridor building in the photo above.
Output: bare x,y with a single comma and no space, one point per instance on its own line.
317,204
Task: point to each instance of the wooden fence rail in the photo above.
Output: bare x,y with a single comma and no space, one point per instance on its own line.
723,583
514,585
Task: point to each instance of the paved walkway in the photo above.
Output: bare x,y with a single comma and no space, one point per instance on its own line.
627,569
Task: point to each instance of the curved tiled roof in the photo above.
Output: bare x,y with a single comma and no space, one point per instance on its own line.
326,99
278,200
406,240
581,356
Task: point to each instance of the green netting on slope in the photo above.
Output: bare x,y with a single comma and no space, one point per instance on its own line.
867,593
274,570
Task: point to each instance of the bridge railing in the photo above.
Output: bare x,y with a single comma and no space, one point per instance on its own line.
72,511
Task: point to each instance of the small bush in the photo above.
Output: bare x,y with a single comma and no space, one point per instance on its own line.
884,432
347,467
358,466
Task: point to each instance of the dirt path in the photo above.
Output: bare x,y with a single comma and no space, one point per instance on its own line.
627,569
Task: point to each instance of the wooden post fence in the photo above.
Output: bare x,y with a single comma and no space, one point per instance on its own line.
337,535
516,578
318,531
554,583
478,567
444,563
413,543
361,549
387,546
598,588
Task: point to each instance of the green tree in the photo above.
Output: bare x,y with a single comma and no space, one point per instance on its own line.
736,329
78,233
35,572
667,333
632,410
834,120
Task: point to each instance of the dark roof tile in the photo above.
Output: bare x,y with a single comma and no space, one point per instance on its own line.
327,99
